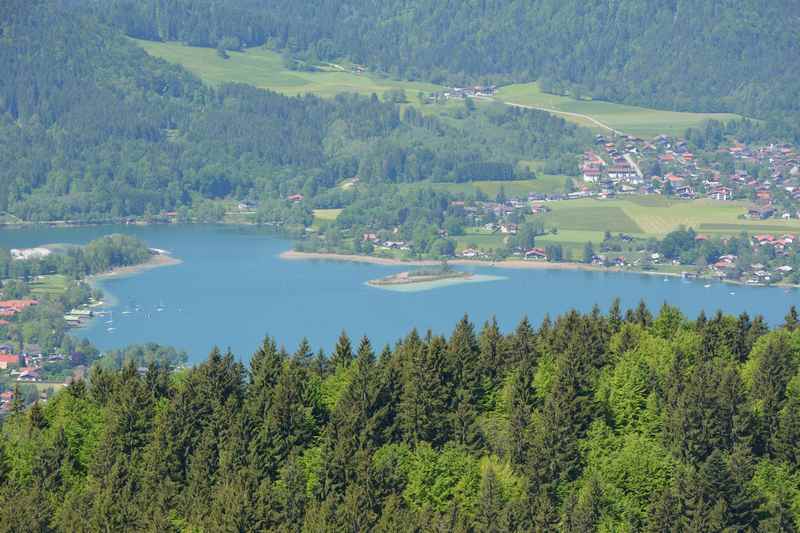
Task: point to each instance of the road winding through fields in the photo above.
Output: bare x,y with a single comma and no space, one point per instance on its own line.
556,112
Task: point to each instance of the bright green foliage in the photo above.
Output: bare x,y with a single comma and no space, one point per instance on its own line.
630,468
437,479
625,422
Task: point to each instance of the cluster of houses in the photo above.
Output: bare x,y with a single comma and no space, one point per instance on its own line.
24,365
471,92
614,167
618,170
24,254
728,266
386,244
754,274
27,366
10,308
779,244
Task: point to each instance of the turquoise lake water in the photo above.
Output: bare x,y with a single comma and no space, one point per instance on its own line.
232,289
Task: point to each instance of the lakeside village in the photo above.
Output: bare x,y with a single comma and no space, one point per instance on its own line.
43,294
27,368
764,179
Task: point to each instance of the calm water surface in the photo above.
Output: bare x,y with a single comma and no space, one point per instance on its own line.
232,289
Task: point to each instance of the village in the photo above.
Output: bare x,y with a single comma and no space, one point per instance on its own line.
25,369
29,367
768,177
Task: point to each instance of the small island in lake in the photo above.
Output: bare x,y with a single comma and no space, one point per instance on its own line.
425,275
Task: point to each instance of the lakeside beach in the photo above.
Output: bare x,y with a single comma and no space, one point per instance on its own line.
293,255
516,264
157,260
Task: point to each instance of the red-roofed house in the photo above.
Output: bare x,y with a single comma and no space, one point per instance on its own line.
7,360
536,254
9,308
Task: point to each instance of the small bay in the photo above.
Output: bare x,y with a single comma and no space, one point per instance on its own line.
232,289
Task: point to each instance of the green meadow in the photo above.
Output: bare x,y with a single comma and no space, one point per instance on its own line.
580,221
542,184
656,216
628,119
49,285
265,69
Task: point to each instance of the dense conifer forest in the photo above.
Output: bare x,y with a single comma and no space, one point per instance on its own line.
626,421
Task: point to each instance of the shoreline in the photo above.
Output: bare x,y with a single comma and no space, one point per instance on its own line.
156,261
517,264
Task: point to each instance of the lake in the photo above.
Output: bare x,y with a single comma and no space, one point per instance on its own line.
232,289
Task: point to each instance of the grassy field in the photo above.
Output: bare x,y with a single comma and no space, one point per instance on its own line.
326,214
656,216
572,241
264,68
520,188
591,218
55,284
628,119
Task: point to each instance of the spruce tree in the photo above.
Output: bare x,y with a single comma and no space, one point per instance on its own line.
792,321
521,409
265,368
774,369
523,342
492,352
490,503
425,399
615,316
351,428
304,355
388,398
785,443
343,353
463,354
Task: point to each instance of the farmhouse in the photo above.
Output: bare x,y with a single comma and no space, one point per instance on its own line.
536,254
7,360
721,193
760,212
591,174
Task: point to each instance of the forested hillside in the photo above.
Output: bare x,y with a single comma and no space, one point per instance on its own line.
92,128
681,54
618,422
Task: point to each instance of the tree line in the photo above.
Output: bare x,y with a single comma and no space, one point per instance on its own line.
98,136
587,422
100,255
684,55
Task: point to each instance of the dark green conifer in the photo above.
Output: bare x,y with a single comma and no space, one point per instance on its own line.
343,353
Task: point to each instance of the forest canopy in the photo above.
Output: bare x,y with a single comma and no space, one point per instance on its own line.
625,421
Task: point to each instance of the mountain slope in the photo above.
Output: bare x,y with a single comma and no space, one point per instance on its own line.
680,54
93,128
